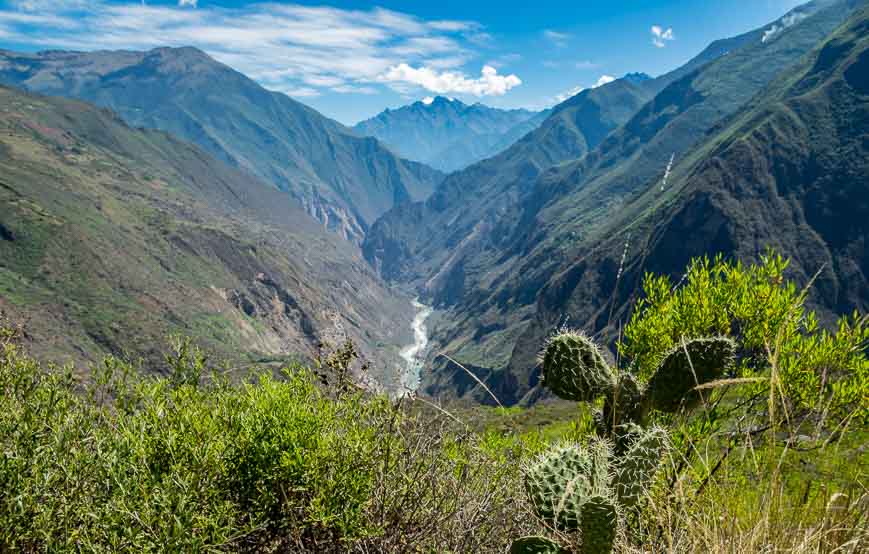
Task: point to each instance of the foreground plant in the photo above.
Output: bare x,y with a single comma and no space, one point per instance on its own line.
190,463
587,489
735,340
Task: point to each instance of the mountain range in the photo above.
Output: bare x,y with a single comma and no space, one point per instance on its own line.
343,180
147,193
112,238
447,134
513,246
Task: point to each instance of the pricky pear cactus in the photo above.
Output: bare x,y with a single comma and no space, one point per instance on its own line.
638,464
563,478
586,489
574,368
571,490
685,366
599,524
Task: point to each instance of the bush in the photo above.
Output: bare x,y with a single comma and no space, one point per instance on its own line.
154,464
809,368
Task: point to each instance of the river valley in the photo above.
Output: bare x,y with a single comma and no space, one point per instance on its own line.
414,354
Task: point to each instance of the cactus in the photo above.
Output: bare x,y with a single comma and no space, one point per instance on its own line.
582,488
574,368
570,490
684,367
623,405
562,478
599,525
587,489
638,464
535,545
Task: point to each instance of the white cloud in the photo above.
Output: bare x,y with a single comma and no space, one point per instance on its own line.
52,5
569,94
428,100
661,36
453,25
556,38
586,64
353,89
782,24
300,92
603,80
488,84
506,59
303,50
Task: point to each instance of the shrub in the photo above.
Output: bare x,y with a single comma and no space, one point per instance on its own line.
189,464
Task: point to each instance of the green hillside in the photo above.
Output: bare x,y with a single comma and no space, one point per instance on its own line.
497,269
112,238
341,179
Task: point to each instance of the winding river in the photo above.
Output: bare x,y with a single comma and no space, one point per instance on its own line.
414,354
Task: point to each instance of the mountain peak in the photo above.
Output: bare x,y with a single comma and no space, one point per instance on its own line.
446,133
180,52
637,77
440,101
183,57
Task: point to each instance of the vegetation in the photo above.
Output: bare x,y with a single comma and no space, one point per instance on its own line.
112,238
759,456
777,352
192,463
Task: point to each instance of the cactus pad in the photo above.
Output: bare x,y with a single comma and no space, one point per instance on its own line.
535,545
636,467
626,401
684,367
599,525
563,478
574,369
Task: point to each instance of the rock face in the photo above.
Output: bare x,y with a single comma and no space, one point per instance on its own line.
447,134
112,238
511,250
343,180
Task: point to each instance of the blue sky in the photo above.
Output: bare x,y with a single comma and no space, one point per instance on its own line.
351,59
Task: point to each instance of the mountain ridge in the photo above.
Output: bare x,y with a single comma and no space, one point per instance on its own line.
112,238
517,233
341,179
583,283
448,134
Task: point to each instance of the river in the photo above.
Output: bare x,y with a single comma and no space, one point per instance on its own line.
414,354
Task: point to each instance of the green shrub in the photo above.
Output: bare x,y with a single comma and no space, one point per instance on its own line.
187,464
811,368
